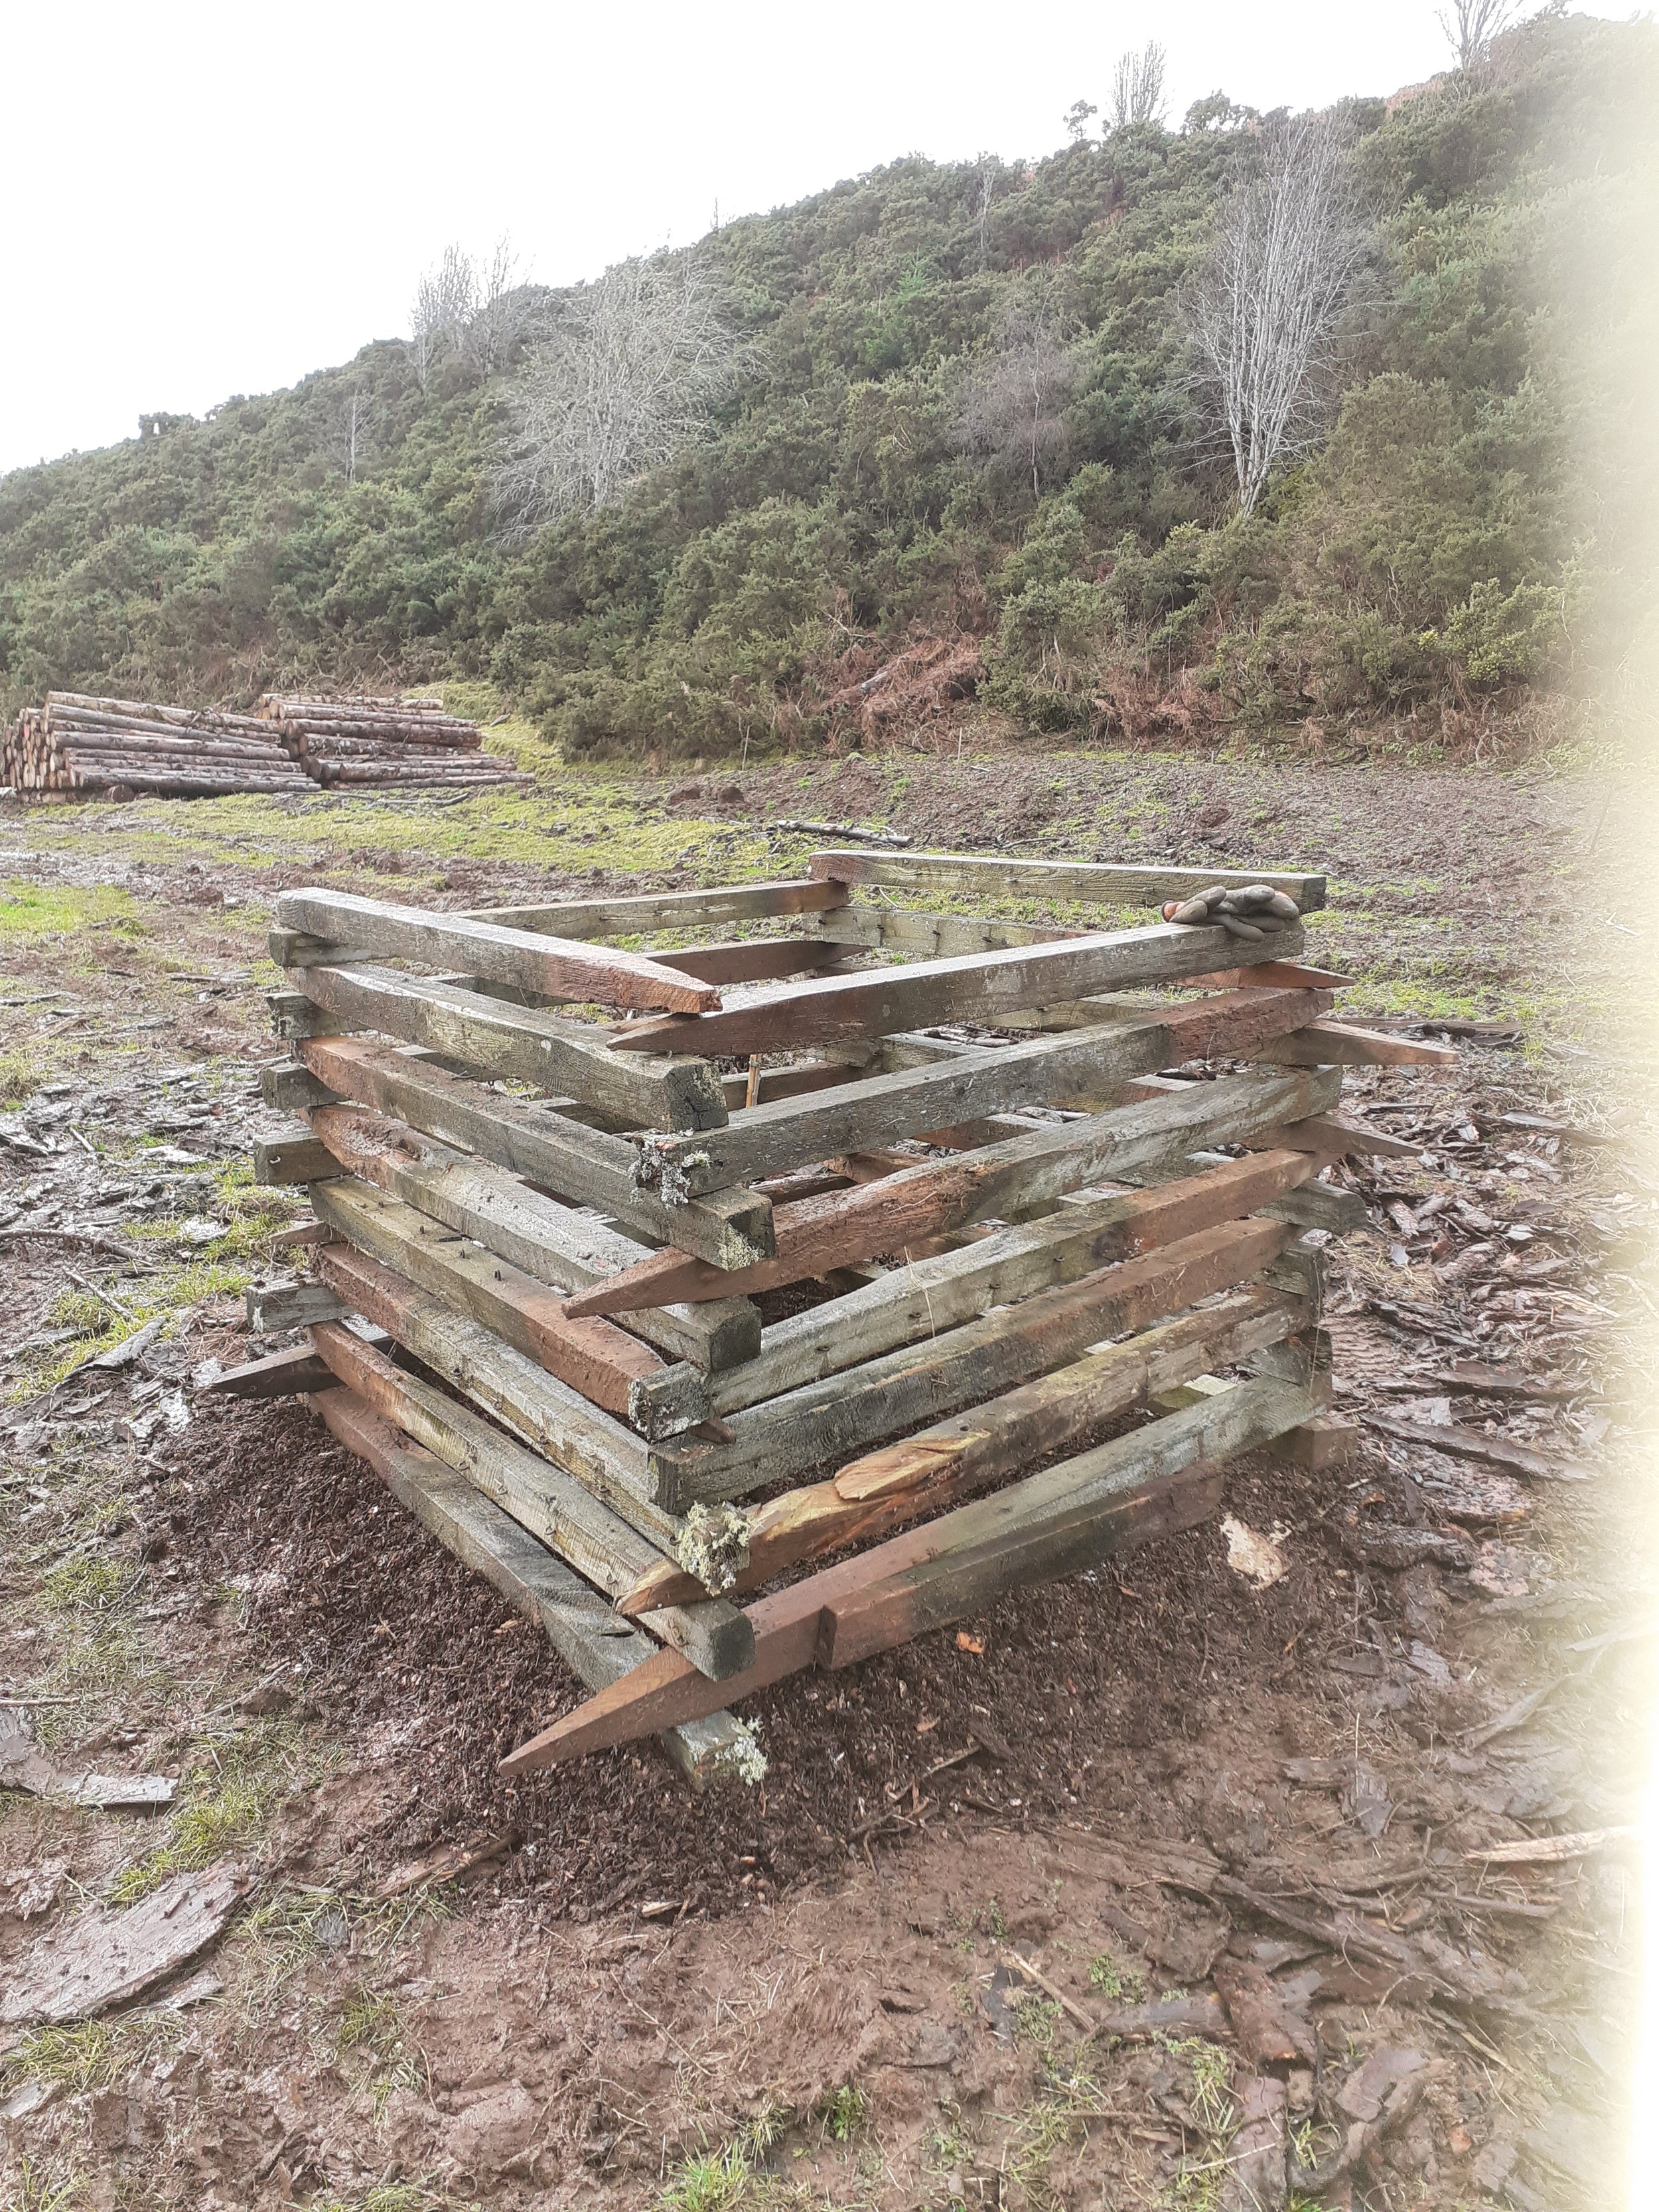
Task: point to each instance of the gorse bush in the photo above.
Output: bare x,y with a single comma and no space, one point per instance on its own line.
962,405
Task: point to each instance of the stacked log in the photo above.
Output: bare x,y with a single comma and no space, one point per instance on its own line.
76,742
350,743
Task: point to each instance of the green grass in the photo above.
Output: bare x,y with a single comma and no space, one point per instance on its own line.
231,1791
32,912
93,2054
86,1584
1121,1984
22,1071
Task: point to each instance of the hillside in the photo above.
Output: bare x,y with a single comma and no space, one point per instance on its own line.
1462,540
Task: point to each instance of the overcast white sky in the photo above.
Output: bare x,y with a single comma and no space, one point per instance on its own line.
204,200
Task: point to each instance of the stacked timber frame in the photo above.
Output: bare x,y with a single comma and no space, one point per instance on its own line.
967,1248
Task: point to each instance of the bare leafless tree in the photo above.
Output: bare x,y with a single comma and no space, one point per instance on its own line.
1012,402
475,311
1138,86
627,376
1265,307
1471,25
445,300
351,433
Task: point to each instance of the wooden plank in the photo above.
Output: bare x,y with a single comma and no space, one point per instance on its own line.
597,1358
759,959
521,1043
930,1296
557,1244
974,987
593,1640
1049,1524
649,910
557,967
1278,975
818,1234
731,1228
958,1085
288,1084
1332,1137
939,1464
1091,881
601,1452
296,1156
931,936
556,1508
283,1375
1342,1044
848,1412
274,1307
1310,1205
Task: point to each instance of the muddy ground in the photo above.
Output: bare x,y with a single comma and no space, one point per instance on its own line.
1060,1909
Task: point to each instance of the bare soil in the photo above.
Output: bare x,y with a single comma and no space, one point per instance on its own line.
904,1970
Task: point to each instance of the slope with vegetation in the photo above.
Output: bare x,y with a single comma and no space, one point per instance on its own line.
958,435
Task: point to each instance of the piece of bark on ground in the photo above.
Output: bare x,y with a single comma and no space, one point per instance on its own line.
105,1958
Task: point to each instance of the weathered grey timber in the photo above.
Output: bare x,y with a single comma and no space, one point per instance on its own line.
649,910
974,986
965,1084
296,1156
1089,881
478,1282
556,968
930,1296
844,1413
614,1462
272,1309
729,1229
559,1245
521,1043
589,1636
556,1509
928,936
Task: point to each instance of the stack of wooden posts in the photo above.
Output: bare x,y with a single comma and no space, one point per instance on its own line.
1009,1211
364,741
75,744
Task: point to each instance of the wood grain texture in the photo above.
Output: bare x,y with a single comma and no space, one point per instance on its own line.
602,1452
1086,880
555,1508
926,1297
731,1228
956,1084
556,968
1343,1044
939,1464
594,1358
597,1644
846,1413
1051,1523
559,1245
649,910
834,1231
519,1042
976,986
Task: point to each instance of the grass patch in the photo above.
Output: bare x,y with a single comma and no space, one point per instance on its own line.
235,1789
1057,2121
86,1584
23,1071
1121,1984
94,2054
32,912
226,1272
727,2178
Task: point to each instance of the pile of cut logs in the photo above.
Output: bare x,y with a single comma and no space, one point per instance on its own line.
1011,1218
367,741
78,743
